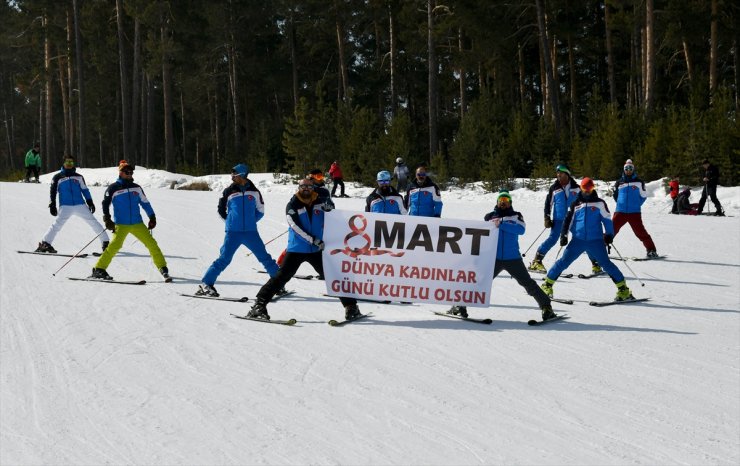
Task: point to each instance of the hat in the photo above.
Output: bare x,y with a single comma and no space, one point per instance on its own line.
122,165
241,169
383,176
562,168
629,165
505,195
587,184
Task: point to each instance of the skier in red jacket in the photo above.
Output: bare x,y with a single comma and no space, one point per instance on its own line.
336,176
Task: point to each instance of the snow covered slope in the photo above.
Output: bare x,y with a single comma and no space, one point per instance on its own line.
98,373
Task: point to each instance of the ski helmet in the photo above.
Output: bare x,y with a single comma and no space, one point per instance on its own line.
399,160
241,170
384,176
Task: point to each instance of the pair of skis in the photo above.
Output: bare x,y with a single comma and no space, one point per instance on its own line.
289,322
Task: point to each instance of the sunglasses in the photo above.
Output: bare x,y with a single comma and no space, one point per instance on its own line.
69,162
629,169
421,174
127,172
305,186
384,182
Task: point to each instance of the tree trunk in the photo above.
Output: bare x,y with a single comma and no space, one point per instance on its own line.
687,57
736,63
393,53
522,77
65,101
48,147
123,78
649,57
344,94
432,81
574,104
551,86
169,136
184,157
135,92
69,116
713,50
149,119
610,54
81,125
293,59
461,70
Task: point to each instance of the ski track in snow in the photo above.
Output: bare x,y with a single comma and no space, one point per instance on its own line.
140,375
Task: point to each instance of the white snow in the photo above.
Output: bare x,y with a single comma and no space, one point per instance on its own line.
113,374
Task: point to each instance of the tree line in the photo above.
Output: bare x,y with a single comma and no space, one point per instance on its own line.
476,89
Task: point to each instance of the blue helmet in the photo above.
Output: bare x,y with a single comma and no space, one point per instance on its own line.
383,176
241,169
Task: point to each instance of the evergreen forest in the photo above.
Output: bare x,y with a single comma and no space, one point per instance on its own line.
476,89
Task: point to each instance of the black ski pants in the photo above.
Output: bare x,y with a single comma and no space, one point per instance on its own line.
291,263
710,190
518,272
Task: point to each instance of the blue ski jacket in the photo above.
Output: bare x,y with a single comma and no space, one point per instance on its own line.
305,223
559,199
588,218
241,207
630,194
71,188
126,197
511,227
423,200
391,203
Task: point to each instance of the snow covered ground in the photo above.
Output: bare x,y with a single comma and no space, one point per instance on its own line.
96,373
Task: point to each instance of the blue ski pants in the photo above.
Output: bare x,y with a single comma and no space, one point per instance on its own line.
232,241
595,249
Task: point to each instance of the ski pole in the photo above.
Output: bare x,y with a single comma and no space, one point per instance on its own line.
627,265
78,252
535,240
558,254
278,236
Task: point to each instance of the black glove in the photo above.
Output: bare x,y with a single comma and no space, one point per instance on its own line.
53,209
318,243
91,206
548,221
109,225
327,206
152,222
564,240
608,239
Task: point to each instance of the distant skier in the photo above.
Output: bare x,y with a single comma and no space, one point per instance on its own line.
401,174
73,197
511,226
337,178
589,221
127,197
33,163
630,194
385,199
305,213
423,198
674,192
241,206
684,205
711,181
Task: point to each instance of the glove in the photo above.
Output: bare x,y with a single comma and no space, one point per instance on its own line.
91,206
53,209
109,225
564,240
327,207
548,221
152,222
608,239
318,243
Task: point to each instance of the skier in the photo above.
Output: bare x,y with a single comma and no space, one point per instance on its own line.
674,192
511,225
711,180
241,206
33,163
305,214
385,199
73,195
337,179
585,220
422,198
126,197
401,174
560,197
630,194
684,205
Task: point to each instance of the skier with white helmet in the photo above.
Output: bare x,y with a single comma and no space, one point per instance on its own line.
401,174
385,199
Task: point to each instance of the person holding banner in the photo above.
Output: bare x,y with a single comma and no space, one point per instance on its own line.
305,213
511,225
422,198
385,199
589,221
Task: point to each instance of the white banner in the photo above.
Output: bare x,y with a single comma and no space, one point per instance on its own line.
387,257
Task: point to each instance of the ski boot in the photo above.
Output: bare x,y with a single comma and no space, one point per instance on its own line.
461,311
623,293
259,310
45,247
547,313
100,274
165,272
207,290
105,246
536,265
596,268
547,287
351,312
282,292
652,254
